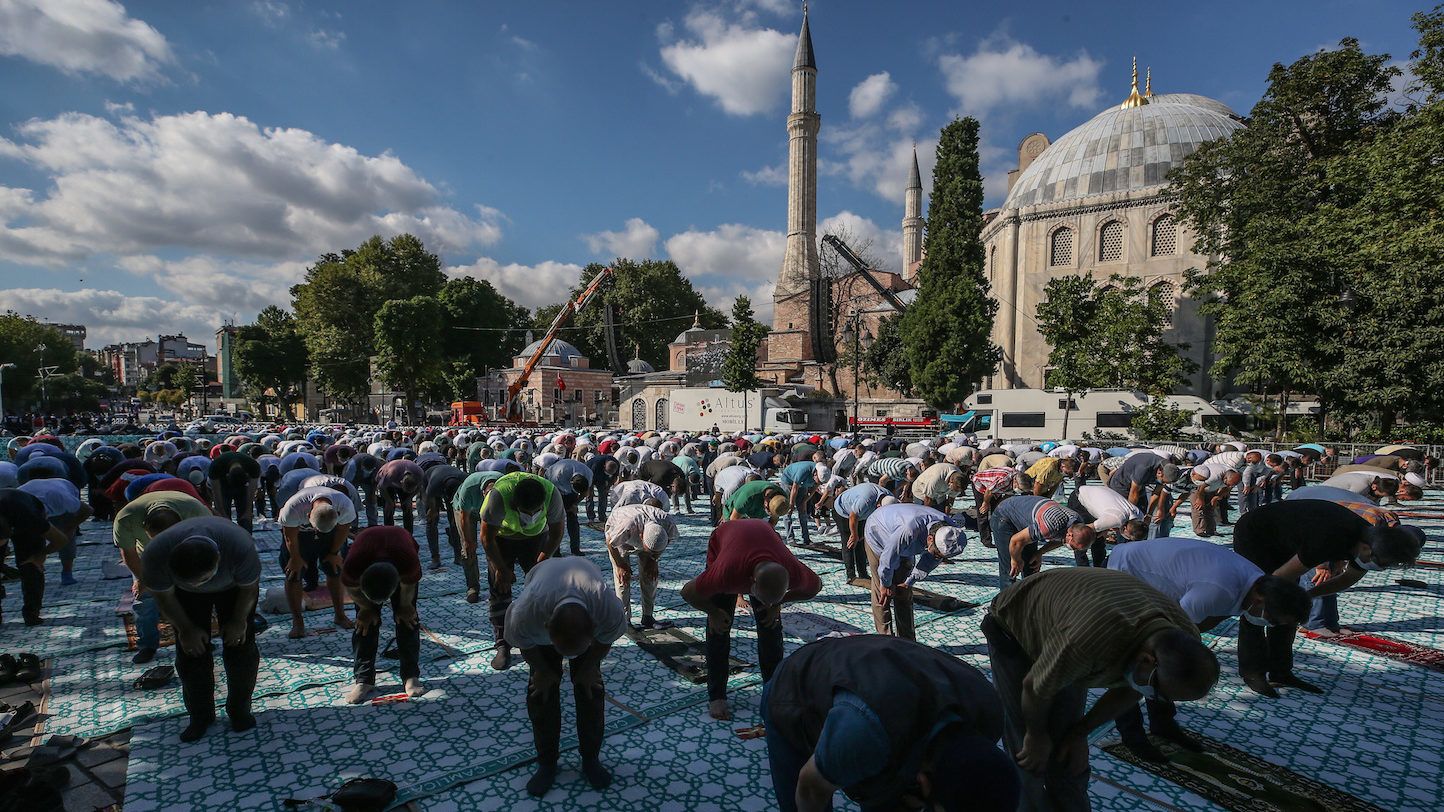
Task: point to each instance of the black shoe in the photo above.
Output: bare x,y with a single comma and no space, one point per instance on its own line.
546,775
1174,734
1260,685
1144,749
1293,681
33,618
598,776
473,596
144,655
241,720
650,622
196,729
501,661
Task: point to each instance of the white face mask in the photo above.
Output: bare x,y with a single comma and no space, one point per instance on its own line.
1147,691
1369,566
1257,620
527,518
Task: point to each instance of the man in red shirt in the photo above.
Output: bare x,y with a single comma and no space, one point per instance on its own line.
382,566
746,557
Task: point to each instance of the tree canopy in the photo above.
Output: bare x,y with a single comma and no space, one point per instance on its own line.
409,344
270,354
20,340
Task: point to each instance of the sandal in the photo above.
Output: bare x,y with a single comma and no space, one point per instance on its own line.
157,677
28,668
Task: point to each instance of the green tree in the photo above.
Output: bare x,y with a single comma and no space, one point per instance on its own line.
739,368
270,354
652,301
1252,200
945,332
408,346
21,338
882,363
483,330
1160,420
74,391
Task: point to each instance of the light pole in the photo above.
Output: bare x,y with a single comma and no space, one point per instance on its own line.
861,339
3,367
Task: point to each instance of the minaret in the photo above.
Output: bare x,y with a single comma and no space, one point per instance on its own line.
796,296
912,224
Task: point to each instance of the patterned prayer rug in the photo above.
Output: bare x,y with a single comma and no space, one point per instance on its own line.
1431,658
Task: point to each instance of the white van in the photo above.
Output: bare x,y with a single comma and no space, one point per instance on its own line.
1038,414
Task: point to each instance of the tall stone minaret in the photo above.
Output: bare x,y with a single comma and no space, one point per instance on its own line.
912,224
796,296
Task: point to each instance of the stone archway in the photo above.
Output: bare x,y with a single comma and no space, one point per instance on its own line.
662,404
639,415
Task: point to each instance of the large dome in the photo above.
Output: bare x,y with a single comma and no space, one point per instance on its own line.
559,349
1123,149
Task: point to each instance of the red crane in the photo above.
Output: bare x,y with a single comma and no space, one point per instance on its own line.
512,410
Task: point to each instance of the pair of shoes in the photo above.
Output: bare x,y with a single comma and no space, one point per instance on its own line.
26,667
1291,681
501,661
1259,684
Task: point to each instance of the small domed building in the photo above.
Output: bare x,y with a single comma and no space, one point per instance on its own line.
563,388
1095,201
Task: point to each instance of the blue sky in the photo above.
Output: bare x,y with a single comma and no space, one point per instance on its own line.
164,166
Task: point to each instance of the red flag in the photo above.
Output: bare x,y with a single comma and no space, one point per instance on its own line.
561,384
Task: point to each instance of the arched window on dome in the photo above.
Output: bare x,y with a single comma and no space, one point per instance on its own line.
1165,236
1110,242
1167,295
1060,248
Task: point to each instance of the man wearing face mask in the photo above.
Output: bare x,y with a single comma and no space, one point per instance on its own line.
746,557
1287,539
889,722
905,542
522,521
1210,583
566,612
1053,636
195,569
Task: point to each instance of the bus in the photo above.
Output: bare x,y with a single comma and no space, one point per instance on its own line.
1038,414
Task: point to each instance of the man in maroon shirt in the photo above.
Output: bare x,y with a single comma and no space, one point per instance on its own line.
383,565
746,557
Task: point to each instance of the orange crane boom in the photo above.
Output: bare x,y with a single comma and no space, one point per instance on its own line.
513,410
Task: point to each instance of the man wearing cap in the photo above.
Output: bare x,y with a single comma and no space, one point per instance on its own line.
442,482
522,521
314,526
196,569
573,480
645,531
383,566
746,557
758,499
939,484
835,719
566,612
1287,539
905,542
1055,635
1211,583
135,525
850,511
1208,504
1026,527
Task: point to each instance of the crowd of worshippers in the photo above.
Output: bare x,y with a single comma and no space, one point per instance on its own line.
878,716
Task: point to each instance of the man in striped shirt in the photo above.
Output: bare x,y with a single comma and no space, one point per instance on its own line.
1028,526
997,481
1056,635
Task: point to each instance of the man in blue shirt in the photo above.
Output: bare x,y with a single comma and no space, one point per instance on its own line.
851,510
800,479
905,542
1025,527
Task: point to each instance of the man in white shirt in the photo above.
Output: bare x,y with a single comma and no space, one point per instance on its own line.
1210,583
566,612
314,524
1209,501
646,531
1374,487
636,492
1106,511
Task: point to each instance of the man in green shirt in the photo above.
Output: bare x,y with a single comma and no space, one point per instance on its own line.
136,523
522,522
760,499
466,508
1054,635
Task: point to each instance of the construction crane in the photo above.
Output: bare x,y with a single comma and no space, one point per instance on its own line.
867,273
512,410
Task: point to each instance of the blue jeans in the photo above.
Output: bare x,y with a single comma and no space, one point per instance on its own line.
801,510
147,622
783,758
1325,611
1002,531
1163,529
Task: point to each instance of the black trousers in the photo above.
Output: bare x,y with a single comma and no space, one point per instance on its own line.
237,499
1266,650
597,501
408,645
574,530
433,532
408,508
719,645
1130,723
197,673
511,552
985,528
855,559
32,578
544,700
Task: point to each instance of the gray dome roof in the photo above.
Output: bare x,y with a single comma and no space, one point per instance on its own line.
637,366
559,349
1122,149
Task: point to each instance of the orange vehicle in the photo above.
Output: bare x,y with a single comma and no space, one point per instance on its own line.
467,413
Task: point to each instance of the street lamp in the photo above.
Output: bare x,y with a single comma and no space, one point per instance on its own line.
861,339
3,367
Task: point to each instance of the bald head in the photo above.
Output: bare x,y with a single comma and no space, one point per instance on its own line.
571,629
769,583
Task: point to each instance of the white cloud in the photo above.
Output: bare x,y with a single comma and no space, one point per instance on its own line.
231,287
775,175
111,316
533,286
780,8
868,97
637,240
1004,73
886,243
83,36
744,68
325,39
667,84
876,155
217,183
272,12
729,260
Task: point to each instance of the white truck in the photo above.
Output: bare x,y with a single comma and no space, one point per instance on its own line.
1038,414
701,408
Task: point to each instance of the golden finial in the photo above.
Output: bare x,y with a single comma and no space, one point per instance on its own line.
1134,99
1148,83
